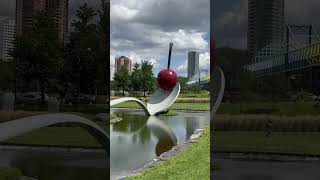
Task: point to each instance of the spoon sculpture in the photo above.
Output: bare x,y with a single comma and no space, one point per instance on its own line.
163,97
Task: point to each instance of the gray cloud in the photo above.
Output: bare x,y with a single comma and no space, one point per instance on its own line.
230,19
7,7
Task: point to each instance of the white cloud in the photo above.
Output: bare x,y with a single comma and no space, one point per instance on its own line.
142,30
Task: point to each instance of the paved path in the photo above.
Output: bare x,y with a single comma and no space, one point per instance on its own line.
266,170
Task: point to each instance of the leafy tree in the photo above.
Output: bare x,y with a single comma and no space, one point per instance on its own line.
6,75
81,51
39,52
147,77
122,79
135,78
183,83
102,61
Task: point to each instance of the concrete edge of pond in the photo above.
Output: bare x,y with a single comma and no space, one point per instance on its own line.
176,150
250,156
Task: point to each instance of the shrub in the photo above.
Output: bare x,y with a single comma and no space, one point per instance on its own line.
10,174
257,123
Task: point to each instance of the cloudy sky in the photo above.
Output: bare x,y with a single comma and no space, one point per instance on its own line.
143,29
230,19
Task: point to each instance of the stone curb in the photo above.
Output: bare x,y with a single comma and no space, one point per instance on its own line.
168,155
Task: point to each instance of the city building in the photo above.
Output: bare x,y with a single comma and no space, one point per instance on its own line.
193,63
123,62
266,25
26,9
7,35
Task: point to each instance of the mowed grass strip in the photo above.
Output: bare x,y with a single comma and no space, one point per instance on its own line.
56,136
194,163
175,106
299,143
275,108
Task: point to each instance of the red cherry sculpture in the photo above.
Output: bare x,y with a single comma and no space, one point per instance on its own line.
167,79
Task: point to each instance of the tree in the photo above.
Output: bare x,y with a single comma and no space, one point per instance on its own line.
81,51
147,77
39,51
122,79
135,78
102,61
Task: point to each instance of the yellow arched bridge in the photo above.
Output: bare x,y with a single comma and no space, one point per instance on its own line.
304,58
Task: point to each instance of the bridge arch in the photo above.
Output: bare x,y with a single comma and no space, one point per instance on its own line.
20,126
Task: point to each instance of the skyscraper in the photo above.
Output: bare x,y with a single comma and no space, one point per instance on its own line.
122,62
193,63
266,24
7,34
27,9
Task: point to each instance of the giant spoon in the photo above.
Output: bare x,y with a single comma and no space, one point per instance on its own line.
160,100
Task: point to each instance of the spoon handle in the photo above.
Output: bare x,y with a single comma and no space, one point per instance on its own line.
169,58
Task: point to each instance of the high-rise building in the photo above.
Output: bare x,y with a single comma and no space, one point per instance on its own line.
193,63
122,62
27,9
266,25
7,34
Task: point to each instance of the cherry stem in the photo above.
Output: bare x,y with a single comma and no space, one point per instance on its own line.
169,58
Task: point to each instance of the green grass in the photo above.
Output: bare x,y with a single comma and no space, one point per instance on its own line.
175,106
56,136
280,108
194,163
10,173
280,142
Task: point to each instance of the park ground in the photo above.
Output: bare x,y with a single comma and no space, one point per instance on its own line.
194,163
289,135
238,127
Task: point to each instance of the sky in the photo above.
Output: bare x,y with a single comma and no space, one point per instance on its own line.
143,29
230,19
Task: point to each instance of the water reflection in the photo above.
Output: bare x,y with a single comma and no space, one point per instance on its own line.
48,164
137,139
166,137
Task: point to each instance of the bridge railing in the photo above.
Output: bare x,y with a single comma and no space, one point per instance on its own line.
300,58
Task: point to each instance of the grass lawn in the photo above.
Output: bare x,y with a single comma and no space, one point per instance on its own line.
175,106
56,136
194,163
280,142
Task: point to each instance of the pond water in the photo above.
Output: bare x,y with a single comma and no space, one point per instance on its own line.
266,170
138,139
135,141
57,165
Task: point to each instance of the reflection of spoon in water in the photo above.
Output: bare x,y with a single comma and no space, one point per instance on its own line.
167,138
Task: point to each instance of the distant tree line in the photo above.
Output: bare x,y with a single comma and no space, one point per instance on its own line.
141,79
240,80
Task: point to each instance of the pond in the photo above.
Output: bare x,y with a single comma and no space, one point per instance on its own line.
135,140
138,139
50,164
266,170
